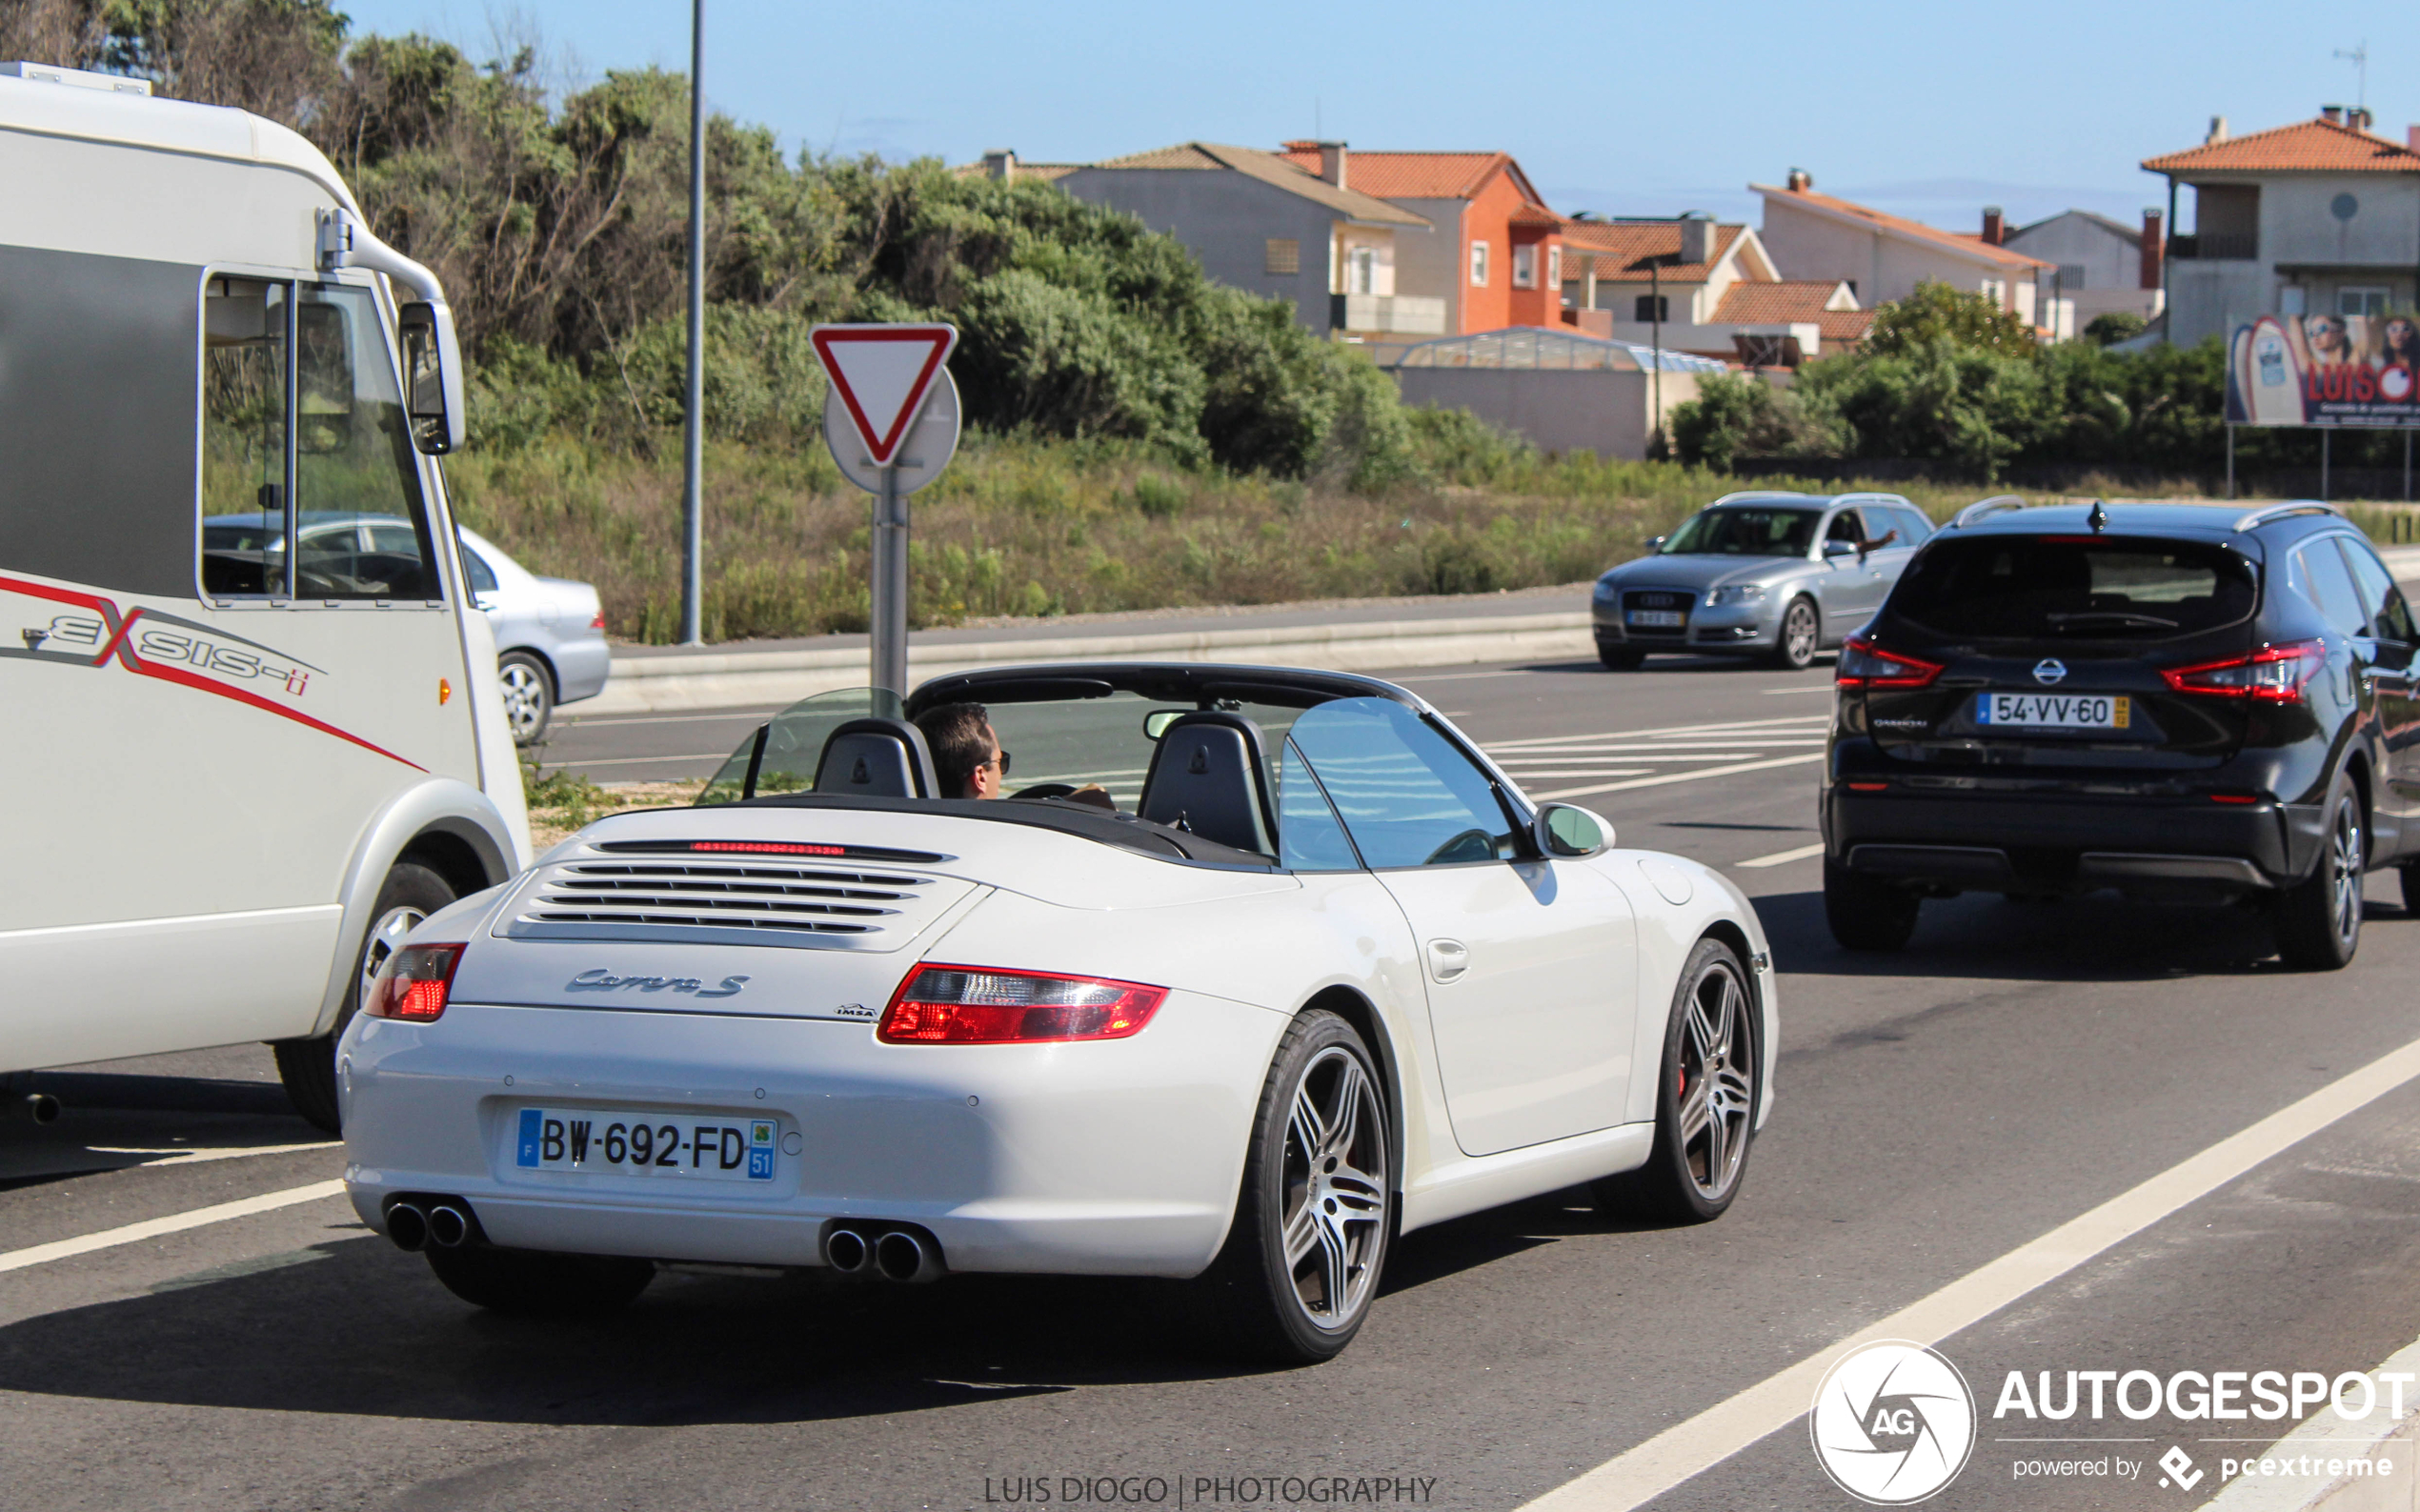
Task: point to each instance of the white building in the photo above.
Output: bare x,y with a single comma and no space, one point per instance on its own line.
1882,257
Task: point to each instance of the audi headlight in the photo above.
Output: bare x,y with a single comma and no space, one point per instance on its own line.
1606,588
1734,594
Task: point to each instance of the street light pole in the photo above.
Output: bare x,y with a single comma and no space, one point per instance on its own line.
693,503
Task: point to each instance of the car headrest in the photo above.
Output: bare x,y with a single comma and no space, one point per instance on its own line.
1208,778
876,757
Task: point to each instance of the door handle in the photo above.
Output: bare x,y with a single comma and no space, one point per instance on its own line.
1448,960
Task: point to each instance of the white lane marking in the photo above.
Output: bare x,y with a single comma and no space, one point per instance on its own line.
1736,729
2322,1437
1639,1475
1771,692
729,717
1682,776
1583,772
633,761
17,1260
1555,758
1802,853
189,1154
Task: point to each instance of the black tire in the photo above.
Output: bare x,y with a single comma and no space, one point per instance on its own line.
1708,1084
540,1283
1865,914
1621,659
528,695
2318,919
2410,875
1800,637
409,894
1286,1310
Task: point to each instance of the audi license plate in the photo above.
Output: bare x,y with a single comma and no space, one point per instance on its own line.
1654,618
644,1143
2056,711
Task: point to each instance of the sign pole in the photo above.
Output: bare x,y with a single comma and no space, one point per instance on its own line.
693,450
2322,464
2231,459
890,586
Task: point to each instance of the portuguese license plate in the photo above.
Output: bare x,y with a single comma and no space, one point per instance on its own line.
1654,618
2056,711
644,1143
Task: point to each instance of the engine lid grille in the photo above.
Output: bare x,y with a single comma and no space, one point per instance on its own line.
751,901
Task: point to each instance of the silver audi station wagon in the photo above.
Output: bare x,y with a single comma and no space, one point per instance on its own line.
1774,576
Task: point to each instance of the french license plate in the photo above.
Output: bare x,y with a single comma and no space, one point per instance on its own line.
1654,618
643,1144
2056,711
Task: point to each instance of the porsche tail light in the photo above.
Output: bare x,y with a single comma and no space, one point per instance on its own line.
976,1005
2271,674
1863,664
416,984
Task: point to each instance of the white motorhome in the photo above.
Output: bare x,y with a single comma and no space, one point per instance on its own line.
236,771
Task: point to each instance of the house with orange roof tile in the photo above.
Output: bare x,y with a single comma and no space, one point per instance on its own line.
1696,286
1262,223
1882,257
2321,217
1497,255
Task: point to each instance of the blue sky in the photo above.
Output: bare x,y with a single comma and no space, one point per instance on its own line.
1929,111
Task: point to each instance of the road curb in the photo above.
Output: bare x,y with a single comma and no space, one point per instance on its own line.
739,679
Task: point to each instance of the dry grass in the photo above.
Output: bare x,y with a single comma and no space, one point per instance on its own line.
1023,528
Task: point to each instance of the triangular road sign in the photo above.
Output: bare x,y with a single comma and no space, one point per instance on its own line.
883,375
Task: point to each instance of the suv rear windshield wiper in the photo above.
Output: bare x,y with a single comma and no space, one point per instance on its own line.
2114,619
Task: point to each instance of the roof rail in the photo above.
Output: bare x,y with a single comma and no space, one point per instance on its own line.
2287,511
1756,492
1892,498
1989,506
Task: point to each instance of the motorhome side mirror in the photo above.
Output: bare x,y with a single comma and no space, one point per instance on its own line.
1840,549
431,375
1567,829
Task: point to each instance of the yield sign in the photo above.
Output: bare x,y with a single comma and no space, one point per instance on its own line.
883,376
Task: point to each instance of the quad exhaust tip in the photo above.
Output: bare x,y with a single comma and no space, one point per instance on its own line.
37,1107
408,1226
846,1251
905,1257
447,1226
882,1252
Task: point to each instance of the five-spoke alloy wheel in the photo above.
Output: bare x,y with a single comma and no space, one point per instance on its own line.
1705,1107
1317,1209
1800,635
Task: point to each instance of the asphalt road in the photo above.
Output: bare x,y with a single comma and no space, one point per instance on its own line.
2016,1066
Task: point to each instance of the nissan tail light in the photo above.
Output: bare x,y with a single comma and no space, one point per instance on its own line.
2271,674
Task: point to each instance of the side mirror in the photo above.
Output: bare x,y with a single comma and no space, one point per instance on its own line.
1655,543
1567,829
1835,549
431,375
1155,723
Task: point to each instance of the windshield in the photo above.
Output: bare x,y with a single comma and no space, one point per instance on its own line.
2036,587
1737,530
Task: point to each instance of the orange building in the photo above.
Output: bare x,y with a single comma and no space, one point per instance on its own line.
1497,256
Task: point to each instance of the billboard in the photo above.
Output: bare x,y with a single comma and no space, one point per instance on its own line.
2325,370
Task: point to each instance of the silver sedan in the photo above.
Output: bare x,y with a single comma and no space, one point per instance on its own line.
1773,575
550,635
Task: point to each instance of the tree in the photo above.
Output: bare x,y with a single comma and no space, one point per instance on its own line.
2114,327
1937,313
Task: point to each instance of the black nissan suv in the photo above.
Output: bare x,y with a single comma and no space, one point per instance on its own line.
2172,700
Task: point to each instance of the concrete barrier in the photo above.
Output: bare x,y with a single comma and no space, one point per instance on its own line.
727,679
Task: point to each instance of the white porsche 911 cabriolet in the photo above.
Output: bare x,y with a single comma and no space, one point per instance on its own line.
1261,969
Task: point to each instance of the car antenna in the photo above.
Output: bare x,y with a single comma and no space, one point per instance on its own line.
2098,519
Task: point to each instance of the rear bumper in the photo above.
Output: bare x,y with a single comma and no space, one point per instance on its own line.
581,668
2065,840
1121,1158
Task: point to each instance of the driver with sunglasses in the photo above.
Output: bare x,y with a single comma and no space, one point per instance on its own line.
966,755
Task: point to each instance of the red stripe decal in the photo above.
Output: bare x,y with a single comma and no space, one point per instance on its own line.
126,657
